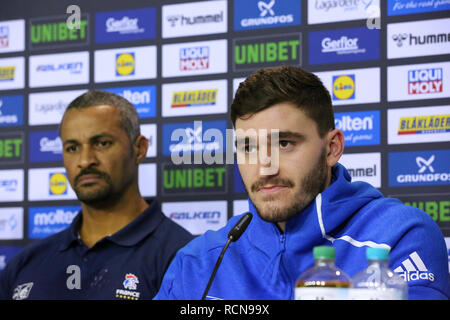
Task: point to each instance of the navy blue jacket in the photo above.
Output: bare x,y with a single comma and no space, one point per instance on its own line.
265,263
129,264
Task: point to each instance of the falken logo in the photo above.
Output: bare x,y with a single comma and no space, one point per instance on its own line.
413,269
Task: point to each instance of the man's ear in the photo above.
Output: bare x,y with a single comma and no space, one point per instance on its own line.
335,146
140,146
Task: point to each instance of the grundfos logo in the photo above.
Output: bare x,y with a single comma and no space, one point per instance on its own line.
419,168
251,14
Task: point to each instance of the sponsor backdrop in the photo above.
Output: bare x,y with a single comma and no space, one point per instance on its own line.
385,63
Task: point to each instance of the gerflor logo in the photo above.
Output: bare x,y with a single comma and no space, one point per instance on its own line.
413,269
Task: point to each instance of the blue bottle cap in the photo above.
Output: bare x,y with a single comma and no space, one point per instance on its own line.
377,254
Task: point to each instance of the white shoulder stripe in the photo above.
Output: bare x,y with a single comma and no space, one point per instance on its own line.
349,239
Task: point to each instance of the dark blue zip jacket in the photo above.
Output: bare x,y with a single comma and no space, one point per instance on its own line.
264,263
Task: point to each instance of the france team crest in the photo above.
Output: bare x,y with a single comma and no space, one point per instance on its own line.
130,282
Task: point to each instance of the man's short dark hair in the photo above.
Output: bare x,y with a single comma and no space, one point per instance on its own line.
270,86
129,119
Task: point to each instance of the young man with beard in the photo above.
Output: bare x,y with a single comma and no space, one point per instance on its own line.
301,197
119,245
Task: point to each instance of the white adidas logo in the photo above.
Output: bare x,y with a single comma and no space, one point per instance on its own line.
414,269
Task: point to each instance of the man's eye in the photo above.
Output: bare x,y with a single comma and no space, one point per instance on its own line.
103,144
71,148
285,144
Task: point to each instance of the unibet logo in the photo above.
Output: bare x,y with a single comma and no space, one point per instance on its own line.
438,210
11,149
125,64
54,32
188,179
254,53
344,87
58,183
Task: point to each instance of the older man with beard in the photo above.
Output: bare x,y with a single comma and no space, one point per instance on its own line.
301,197
119,245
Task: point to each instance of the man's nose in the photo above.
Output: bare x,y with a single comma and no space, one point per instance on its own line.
88,158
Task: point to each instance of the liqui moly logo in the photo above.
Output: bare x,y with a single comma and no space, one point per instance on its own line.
421,81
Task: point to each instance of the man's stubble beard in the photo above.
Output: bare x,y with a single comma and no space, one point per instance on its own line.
311,185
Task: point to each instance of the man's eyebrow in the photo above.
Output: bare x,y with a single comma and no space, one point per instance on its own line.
291,135
281,135
93,138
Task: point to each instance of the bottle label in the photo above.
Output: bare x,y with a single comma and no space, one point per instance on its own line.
321,293
374,294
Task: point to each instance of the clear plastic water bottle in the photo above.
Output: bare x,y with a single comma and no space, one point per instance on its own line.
377,281
323,281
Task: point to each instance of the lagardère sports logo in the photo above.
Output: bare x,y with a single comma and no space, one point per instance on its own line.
419,168
325,11
268,51
256,14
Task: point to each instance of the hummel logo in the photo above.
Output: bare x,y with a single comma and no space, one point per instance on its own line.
414,269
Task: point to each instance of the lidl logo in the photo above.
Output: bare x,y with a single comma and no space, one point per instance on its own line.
58,183
344,87
125,64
